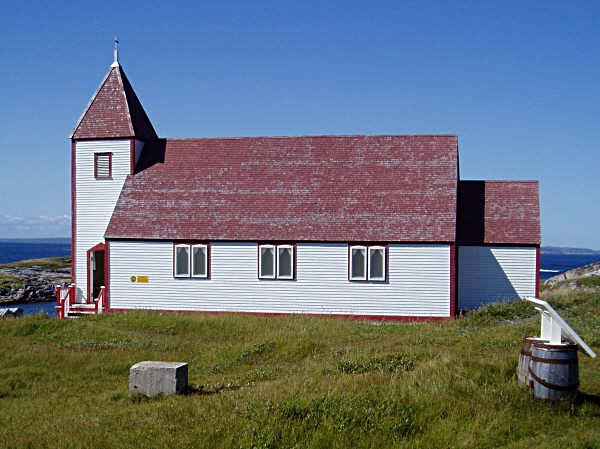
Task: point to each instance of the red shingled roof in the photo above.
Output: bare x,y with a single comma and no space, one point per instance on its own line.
326,188
498,212
114,111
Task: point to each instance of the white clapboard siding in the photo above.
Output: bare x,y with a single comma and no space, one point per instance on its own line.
95,199
488,274
419,281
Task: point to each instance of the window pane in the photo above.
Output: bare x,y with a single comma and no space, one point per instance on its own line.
376,263
285,262
182,260
102,166
199,262
358,263
267,262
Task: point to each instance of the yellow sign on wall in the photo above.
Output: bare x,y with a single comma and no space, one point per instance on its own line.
143,279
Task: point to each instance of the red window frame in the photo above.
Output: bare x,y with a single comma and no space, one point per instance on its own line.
191,244
96,155
367,246
275,267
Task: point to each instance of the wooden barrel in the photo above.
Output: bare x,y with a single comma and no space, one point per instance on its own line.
524,357
554,370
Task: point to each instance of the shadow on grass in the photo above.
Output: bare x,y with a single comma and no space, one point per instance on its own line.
208,390
584,398
190,390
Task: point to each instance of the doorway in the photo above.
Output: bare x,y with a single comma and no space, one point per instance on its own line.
96,270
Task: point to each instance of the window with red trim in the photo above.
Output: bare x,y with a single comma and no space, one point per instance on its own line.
191,260
276,261
102,165
367,263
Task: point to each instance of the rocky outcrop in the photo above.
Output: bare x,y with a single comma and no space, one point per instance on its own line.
35,283
577,277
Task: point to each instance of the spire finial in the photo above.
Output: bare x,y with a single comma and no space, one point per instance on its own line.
116,53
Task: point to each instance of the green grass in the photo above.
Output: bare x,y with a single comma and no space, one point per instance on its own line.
8,281
590,281
50,263
293,381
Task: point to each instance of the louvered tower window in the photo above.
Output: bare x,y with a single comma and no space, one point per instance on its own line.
102,165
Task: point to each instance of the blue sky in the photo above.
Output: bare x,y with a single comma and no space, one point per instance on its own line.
518,82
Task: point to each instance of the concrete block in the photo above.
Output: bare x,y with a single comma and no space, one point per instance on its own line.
151,378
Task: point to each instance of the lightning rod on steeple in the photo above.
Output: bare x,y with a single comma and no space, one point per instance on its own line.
116,53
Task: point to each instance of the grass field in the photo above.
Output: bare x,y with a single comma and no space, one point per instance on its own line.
291,382
48,263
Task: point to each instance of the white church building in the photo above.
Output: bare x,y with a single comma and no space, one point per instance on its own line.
369,226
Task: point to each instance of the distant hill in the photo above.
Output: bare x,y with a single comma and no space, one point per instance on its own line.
567,250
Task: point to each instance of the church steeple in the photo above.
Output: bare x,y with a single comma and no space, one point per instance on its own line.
114,110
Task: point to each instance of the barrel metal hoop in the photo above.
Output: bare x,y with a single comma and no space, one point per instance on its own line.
564,347
553,386
553,361
527,353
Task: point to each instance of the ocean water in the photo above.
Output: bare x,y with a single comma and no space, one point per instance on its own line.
46,307
553,264
15,250
20,249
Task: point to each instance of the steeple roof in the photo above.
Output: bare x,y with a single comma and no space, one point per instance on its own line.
114,111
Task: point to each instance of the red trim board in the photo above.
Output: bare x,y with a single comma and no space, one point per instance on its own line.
106,304
73,211
453,271
538,263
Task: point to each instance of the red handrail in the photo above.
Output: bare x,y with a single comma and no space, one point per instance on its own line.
71,294
65,297
60,307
